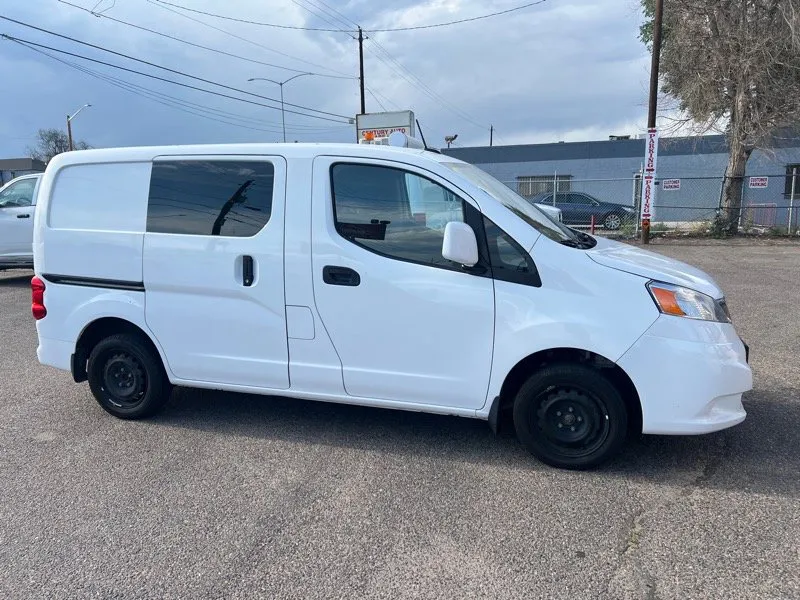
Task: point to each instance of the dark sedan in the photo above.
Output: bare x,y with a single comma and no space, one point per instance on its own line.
578,208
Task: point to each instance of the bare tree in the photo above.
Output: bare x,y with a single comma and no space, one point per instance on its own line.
734,67
50,142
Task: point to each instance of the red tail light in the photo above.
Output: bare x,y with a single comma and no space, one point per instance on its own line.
37,299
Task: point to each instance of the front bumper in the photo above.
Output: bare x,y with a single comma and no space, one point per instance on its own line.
690,376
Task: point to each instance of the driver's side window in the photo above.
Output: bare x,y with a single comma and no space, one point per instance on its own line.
393,212
18,194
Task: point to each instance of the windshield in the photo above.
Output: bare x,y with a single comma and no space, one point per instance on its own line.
525,210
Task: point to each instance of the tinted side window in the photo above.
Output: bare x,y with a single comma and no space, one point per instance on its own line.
220,197
580,199
509,260
393,212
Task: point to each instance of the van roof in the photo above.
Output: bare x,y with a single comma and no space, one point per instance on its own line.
288,150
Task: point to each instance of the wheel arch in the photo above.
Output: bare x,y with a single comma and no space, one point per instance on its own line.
503,404
99,329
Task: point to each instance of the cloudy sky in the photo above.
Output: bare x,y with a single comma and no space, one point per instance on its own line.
560,70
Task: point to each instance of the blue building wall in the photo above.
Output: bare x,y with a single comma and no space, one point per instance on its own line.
606,169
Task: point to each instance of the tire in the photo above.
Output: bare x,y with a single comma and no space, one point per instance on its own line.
612,221
127,378
570,416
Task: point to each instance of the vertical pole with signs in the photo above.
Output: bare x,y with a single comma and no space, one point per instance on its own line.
651,117
649,184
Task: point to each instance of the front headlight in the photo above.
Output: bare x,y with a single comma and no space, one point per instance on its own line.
684,302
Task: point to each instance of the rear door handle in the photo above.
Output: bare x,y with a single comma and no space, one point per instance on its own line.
23,216
247,271
340,276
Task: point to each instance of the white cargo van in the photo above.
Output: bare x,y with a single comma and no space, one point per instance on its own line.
373,275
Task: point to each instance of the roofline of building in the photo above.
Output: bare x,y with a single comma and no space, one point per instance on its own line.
619,148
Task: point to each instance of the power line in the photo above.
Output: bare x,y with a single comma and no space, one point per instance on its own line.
385,99
172,101
247,21
186,85
323,15
174,71
177,39
448,23
415,81
244,39
411,28
376,99
344,18
157,97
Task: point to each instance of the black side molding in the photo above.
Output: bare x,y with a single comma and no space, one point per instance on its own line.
110,284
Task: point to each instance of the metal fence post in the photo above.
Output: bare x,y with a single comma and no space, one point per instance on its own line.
791,200
721,193
555,186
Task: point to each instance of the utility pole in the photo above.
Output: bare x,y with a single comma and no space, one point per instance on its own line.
653,104
491,135
361,69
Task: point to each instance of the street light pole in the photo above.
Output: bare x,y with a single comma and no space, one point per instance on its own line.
69,125
69,133
280,84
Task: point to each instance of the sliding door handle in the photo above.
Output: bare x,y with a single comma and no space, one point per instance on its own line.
247,271
340,276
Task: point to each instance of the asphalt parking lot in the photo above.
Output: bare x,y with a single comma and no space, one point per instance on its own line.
227,496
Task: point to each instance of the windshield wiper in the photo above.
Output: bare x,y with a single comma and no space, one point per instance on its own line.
586,239
580,242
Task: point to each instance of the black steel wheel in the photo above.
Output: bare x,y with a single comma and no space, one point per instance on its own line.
127,378
570,416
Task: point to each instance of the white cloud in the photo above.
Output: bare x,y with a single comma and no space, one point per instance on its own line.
563,70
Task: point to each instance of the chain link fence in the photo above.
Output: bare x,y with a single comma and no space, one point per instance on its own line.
682,204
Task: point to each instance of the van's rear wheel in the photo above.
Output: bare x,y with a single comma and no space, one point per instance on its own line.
127,378
570,416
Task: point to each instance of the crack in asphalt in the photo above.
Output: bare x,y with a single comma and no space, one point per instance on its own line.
634,534
637,574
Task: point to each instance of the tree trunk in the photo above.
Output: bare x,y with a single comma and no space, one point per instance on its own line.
738,153
733,187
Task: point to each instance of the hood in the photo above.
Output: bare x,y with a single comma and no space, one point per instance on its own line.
631,259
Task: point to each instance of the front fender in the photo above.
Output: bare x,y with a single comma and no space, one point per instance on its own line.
580,305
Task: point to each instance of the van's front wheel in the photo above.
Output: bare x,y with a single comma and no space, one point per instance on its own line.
126,378
570,416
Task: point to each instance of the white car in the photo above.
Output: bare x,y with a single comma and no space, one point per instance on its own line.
327,272
17,207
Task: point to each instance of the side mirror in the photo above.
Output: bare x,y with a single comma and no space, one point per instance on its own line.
460,244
